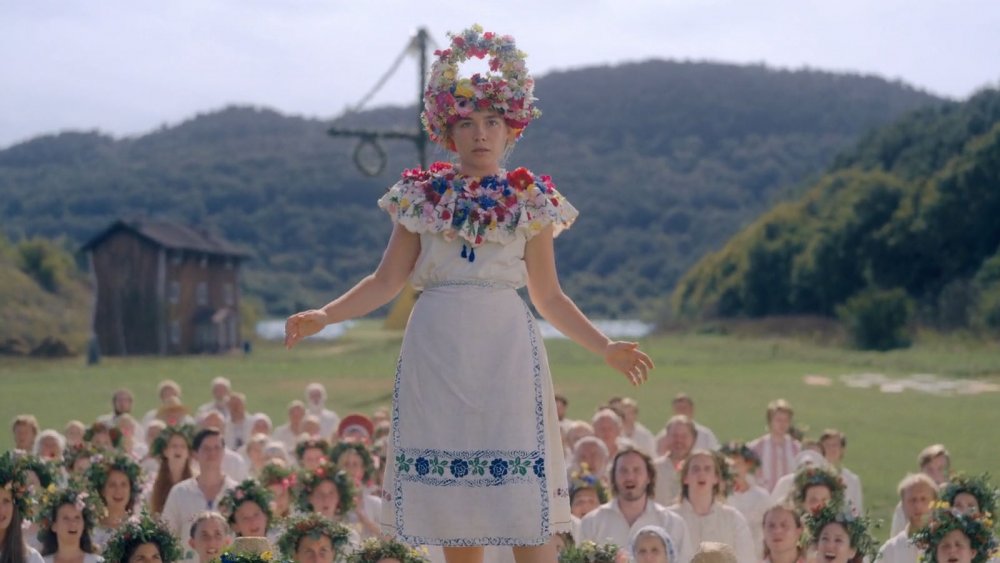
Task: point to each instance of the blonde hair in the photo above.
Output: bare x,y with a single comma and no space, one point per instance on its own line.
914,479
779,405
932,452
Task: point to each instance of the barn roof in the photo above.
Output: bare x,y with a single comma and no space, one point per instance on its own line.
171,235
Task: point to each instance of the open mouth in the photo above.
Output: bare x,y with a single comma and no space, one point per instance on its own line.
829,556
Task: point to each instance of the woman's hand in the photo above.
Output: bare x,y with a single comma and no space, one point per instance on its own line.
628,359
301,325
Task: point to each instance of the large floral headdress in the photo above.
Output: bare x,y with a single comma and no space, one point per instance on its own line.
819,476
14,480
77,494
857,526
139,529
307,481
46,471
978,486
101,466
977,527
374,550
247,491
449,97
312,525
162,440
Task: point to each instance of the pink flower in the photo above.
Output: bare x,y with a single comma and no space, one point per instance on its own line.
239,494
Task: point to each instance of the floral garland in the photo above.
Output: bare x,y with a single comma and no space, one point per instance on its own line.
579,481
743,451
478,210
449,98
241,557
312,525
374,550
978,486
139,529
46,471
274,473
977,527
589,552
101,467
311,443
362,450
113,433
159,445
813,476
76,494
307,482
857,527
247,491
14,480
74,453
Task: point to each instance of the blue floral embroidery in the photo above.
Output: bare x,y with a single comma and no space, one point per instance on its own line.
422,466
539,468
459,468
498,468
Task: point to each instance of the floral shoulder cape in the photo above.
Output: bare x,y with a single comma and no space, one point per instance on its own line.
477,210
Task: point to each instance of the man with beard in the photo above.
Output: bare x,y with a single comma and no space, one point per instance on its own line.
681,437
633,481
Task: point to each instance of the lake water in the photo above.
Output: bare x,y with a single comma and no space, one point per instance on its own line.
274,329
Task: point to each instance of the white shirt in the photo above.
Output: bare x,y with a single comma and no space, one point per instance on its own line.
643,439
234,466
899,521
853,489
222,407
238,433
723,524
776,459
706,439
184,503
898,550
87,558
668,481
784,489
31,555
285,435
607,524
328,420
752,504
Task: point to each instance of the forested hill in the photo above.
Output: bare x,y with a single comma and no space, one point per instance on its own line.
914,206
665,160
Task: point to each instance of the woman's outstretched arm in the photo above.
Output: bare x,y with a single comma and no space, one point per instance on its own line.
557,308
369,294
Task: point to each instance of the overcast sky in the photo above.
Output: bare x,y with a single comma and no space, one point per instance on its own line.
128,66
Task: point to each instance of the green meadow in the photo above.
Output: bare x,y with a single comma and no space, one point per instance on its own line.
730,378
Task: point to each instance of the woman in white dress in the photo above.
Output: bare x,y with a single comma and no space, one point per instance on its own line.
172,450
66,520
475,454
15,507
118,480
783,535
746,496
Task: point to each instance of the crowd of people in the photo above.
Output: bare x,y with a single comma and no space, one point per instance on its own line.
177,485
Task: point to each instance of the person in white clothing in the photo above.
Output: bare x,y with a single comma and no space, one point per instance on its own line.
316,406
839,536
67,519
956,537
590,455
15,504
608,428
917,492
209,536
834,443
288,433
633,482
811,455
634,430
165,390
971,494
707,518
143,539
746,496
652,544
586,493
247,508
783,531
935,462
233,464
357,461
684,405
221,387
193,496
776,449
680,440
121,403
816,487
118,480
239,422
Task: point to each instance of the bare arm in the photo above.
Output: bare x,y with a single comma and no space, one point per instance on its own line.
369,294
557,308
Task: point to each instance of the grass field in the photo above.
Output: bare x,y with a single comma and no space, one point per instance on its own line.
731,379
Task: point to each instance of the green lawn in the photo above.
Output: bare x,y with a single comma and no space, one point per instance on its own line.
731,380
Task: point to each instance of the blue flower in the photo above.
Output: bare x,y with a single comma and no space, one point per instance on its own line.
486,202
459,468
460,215
539,467
498,468
423,466
440,185
489,182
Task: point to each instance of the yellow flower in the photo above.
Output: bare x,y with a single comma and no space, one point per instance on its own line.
266,556
51,488
477,28
404,203
464,89
449,74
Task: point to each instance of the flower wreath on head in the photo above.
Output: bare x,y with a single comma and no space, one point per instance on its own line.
74,453
374,550
307,481
580,480
449,98
247,491
312,525
363,452
589,552
46,471
978,486
813,476
101,466
857,526
137,530
159,445
77,494
113,432
741,450
15,480
977,527
275,474
309,443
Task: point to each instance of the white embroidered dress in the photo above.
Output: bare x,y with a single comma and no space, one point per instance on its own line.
475,456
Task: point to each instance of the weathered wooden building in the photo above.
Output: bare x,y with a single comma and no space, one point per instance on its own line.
164,288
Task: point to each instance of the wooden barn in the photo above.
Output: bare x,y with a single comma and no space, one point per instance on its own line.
164,288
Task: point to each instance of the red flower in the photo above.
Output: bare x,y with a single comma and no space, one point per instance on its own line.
439,166
488,36
320,472
520,179
554,201
446,215
479,239
483,103
457,41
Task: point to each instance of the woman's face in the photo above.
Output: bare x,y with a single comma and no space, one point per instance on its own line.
480,141
314,550
177,450
6,509
781,534
351,462
116,491
146,553
325,498
649,548
817,496
955,547
834,544
966,503
584,501
209,539
69,525
250,521
312,458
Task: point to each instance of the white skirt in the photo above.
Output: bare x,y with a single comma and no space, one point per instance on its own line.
475,456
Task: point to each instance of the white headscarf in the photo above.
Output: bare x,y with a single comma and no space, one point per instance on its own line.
668,543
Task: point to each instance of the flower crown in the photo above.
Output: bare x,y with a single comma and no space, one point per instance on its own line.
366,456
86,501
113,432
273,473
229,556
79,451
247,491
101,467
307,482
581,480
978,486
308,443
815,475
741,450
857,527
313,525
977,527
374,550
589,552
449,98
47,471
159,445
139,529
14,479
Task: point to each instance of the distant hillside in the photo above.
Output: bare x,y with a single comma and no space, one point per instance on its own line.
914,205
665,160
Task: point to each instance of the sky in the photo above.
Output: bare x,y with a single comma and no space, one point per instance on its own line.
127,67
